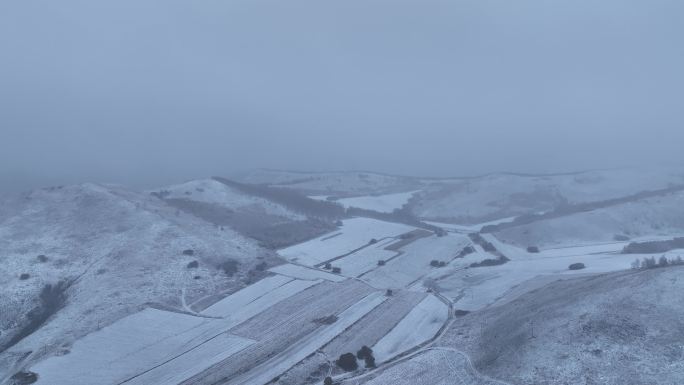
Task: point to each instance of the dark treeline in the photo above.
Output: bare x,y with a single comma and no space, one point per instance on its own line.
270,231
654,246
289,198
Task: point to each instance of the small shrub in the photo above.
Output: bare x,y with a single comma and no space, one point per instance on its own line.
196,277
466,250
24,276
188,252
337,270
24,378
576,266
101,271
381,262
389,292
461,313
42,258
532,249
434,263
229,267
193,265
373,241
328,381
327,266
442,263
347,362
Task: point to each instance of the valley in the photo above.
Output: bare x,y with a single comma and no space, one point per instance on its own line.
275,278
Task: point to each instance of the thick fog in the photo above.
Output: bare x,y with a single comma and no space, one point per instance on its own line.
147,92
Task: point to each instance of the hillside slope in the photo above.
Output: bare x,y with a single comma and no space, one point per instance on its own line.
76,258
618,328
491,197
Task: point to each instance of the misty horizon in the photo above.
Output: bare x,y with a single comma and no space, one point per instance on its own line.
428,89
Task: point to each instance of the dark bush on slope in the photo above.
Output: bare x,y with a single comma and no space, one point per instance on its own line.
24,378
576,266
51,299
347,362
229,267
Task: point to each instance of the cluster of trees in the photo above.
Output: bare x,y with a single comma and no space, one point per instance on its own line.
487,246
466,250
491,262
348,361
654,246
652,263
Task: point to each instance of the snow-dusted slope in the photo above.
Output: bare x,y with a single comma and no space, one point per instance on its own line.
612,329
648,218
115,251
503,195
213,192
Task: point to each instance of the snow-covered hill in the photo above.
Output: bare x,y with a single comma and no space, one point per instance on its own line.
275,222
496,196
76,258
657,217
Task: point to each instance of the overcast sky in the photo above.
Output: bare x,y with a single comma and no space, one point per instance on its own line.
149,92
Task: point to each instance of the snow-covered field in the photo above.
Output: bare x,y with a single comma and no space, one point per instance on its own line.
382,203
469,228
306,346
475,288
142,349
366,259
375,325
353,234
251,301
419,325
414,261
305,273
